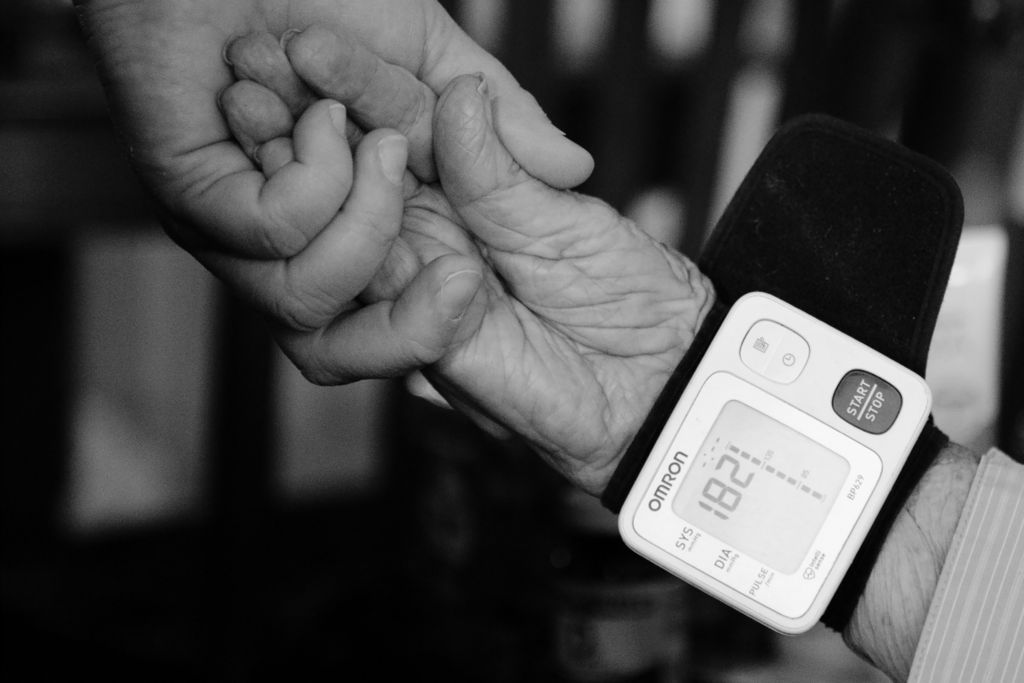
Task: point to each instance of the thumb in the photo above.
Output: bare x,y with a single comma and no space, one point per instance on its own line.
501,204
538,145
542,148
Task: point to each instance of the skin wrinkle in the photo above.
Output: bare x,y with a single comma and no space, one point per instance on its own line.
925,527
545,269
472,132
306,315
291,308
548,450
410,115
542,246
610,299
284,239
365,90
428,62
572,241
552,351
310,363
670,319
932,546
468,136
421,352
704,295
281,240
525,347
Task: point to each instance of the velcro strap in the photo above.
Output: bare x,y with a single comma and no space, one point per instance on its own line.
853,229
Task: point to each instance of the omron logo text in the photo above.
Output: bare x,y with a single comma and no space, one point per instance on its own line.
667,481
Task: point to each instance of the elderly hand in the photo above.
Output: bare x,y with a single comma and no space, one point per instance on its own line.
161,62
580,316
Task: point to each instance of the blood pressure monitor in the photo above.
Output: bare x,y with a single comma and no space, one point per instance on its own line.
774,463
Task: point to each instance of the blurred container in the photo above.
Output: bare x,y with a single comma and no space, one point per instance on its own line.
615,616
473,522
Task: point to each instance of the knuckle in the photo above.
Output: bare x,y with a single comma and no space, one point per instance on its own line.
414,113
296,310
380,224
422,349
282,238
314,366
290,315
327,61
322,375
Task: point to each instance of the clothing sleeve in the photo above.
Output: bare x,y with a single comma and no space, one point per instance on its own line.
974,630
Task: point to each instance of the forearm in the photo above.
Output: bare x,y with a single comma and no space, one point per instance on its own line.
888,621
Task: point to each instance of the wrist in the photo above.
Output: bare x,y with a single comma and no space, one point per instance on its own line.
696,298
887,622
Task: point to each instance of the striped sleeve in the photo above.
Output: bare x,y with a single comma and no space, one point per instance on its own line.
975,626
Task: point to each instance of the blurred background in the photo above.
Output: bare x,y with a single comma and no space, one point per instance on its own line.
177,503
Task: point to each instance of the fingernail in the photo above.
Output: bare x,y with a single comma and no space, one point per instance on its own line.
224,51
393,152
338,117
458,291
287,36
482,88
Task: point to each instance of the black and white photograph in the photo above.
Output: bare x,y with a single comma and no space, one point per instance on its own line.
581,341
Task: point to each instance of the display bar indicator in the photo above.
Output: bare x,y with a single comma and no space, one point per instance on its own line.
771,470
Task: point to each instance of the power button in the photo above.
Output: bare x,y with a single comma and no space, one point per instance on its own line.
775,351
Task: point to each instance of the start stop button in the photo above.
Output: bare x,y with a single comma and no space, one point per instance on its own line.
867,401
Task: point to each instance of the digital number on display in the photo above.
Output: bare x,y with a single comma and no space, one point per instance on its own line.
761,487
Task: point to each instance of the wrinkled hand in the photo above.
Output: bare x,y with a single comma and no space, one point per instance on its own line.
579,318
583,317
161,62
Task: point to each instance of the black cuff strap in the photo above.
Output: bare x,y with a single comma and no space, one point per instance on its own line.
856,231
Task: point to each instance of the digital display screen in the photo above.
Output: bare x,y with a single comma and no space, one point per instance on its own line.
761,487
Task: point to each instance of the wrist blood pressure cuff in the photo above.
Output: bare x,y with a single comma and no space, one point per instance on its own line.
853,229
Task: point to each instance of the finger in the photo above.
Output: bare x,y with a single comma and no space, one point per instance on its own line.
385,339
262,124
378,94
309,191
315,286
254,115
259,57
501,204
162,76
522,125
244,212
273,155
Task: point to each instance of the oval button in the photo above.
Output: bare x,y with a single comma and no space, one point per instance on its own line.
774,351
